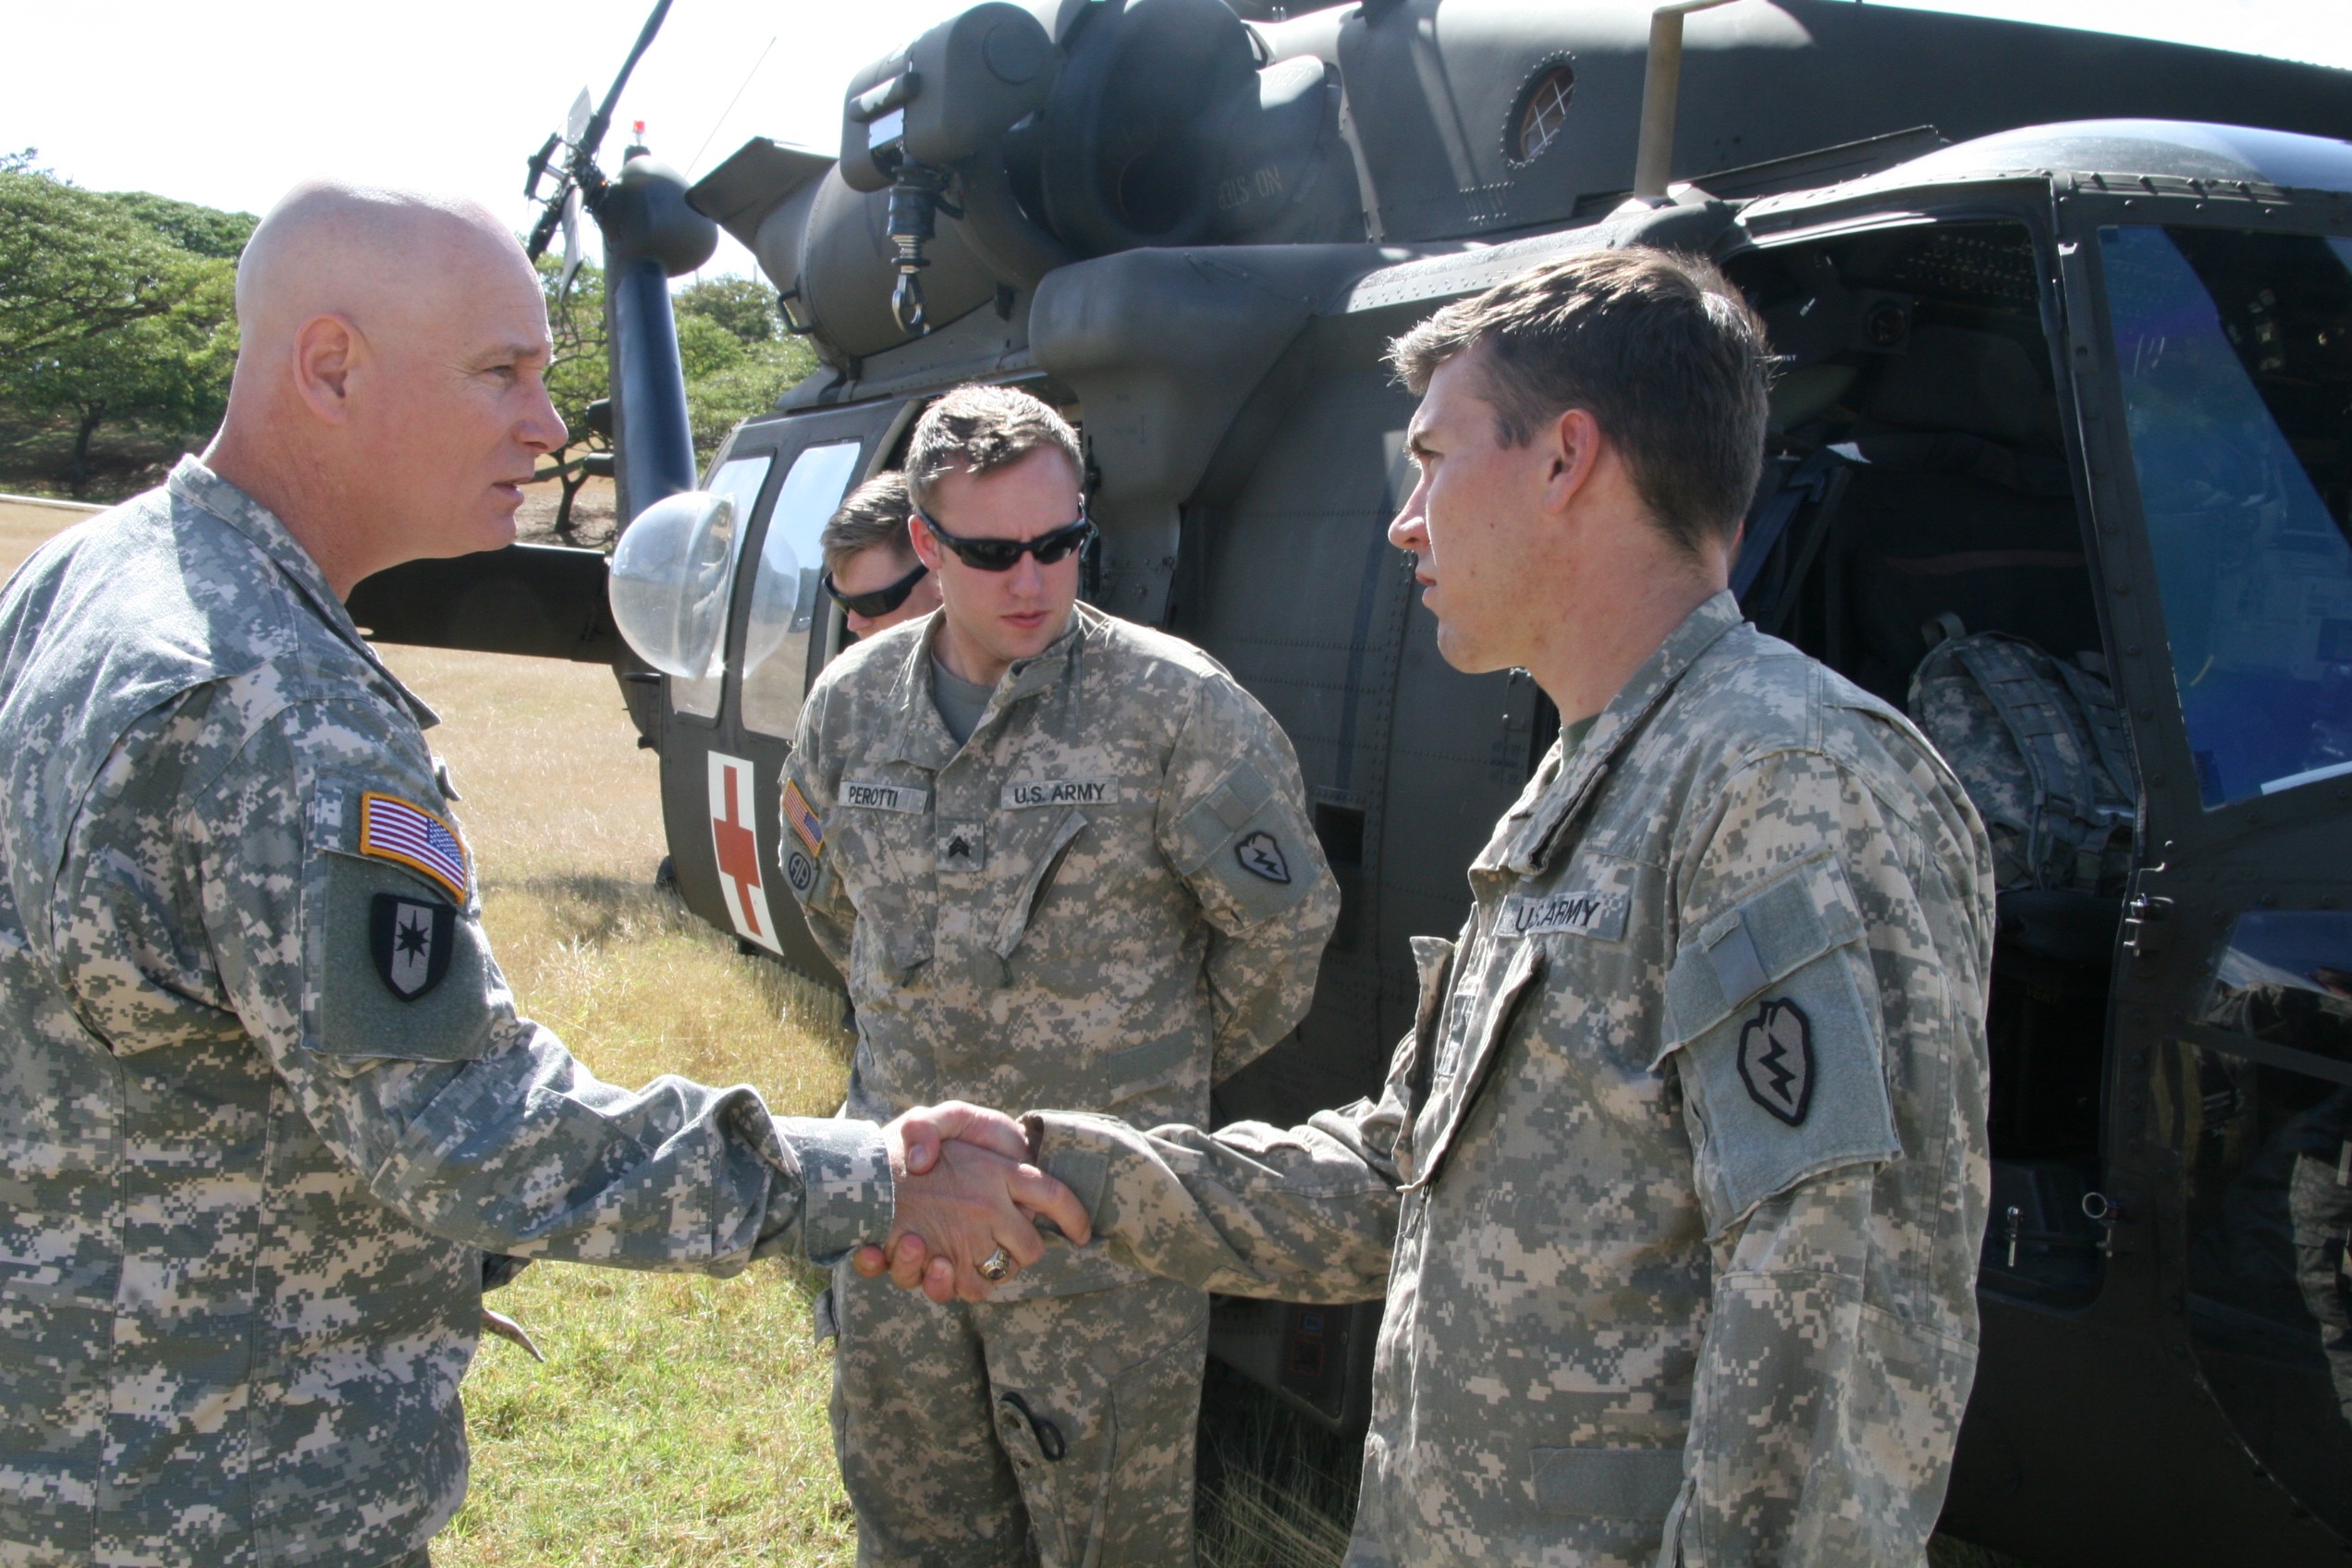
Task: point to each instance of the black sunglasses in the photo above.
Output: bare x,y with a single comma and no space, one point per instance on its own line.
879,603
1002,554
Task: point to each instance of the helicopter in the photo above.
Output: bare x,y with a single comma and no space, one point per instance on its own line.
2066,322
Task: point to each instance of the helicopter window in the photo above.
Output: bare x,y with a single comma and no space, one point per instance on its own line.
2287,978
784,592
2235,351
738,479
1542,112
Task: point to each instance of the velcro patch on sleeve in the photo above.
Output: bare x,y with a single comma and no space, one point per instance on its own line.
407,834
1781,1041
1244,839
805,824
401,976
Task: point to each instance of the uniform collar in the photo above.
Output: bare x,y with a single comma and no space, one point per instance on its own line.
1523,843
199,487
922,737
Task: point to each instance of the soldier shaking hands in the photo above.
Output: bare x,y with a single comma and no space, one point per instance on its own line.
1676,1187
268,1103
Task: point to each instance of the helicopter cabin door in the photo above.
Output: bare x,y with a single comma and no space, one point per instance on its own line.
724,737
2213,345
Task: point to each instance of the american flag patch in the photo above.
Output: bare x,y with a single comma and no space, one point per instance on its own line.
803,821
390,829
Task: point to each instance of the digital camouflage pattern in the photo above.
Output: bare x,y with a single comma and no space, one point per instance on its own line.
249,1188
1683,1164
1106,897
1056,1430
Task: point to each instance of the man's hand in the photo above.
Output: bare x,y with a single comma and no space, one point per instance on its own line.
963,1193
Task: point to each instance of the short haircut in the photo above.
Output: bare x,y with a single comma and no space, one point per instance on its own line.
1660,349
874,514
978,430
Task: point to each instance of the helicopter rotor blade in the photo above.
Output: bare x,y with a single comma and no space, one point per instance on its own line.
571,257
594,136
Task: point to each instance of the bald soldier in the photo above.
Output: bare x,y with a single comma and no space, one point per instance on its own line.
1677,1185
268,1108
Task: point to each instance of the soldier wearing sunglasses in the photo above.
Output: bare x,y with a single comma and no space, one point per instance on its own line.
870,566
1062,859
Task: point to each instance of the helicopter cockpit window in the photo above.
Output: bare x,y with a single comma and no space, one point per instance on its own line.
738,479
2287,978
785,594
2235,351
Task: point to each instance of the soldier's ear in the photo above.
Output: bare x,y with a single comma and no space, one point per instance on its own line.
926,548
1570,446
327,347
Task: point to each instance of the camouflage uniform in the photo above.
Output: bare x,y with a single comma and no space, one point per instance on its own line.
1683,1164
266,1102
1106,897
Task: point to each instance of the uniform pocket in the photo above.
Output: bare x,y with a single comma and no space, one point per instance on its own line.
1113,1485
1032,888
1467,1054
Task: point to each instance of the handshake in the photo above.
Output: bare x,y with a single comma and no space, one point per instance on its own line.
969,1204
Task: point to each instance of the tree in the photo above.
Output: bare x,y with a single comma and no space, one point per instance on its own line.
171,369
738,358
75,263
577,377
114,309
744,306
732,348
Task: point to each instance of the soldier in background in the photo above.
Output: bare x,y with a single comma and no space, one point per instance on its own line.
1677,1186
265,1102
1061,859
870,565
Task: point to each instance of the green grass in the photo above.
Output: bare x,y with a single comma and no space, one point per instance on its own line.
679,1420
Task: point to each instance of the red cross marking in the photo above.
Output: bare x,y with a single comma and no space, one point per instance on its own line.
738,853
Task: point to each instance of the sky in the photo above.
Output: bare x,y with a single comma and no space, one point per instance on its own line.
230,102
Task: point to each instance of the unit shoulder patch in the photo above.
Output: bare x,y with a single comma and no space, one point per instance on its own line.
1776,1060
411,941
1261,855
407,834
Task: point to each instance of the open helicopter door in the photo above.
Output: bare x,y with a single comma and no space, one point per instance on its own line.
2211,346
724,737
